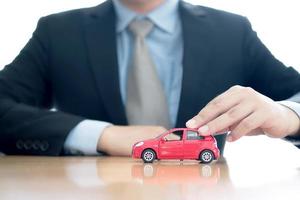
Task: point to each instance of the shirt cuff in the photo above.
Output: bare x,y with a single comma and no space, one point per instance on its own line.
294,106
83,139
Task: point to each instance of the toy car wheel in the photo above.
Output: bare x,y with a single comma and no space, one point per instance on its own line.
206,156
148,156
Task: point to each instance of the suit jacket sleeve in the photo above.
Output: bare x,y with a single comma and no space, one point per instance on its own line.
268,75
27,126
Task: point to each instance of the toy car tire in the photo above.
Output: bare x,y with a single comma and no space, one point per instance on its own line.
206,156
148,156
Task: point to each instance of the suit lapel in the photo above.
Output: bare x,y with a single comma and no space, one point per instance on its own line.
100,37
197,52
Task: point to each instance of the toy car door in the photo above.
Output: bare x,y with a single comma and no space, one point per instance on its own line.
171,145
192,145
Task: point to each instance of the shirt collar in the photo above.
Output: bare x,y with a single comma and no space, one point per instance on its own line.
165,16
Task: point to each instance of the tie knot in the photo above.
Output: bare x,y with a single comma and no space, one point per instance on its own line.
141,28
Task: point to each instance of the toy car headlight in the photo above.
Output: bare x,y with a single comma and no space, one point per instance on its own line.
139,144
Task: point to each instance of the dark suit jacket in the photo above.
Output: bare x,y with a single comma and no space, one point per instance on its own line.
70,63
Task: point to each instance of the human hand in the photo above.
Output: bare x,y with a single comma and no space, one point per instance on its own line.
118,140
243,111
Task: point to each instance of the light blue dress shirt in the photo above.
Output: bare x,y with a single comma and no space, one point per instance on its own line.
165,45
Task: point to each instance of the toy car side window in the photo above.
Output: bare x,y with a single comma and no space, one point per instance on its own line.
192,135
174,136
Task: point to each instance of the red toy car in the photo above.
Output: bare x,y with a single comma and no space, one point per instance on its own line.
178,143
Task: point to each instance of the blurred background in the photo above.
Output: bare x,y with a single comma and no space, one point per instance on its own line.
275,21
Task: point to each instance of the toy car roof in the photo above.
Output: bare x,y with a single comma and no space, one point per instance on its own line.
181,129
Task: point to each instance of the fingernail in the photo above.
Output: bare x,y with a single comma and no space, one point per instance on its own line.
229,138
191,123
204,130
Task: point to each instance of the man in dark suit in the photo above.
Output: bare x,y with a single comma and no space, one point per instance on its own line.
87,64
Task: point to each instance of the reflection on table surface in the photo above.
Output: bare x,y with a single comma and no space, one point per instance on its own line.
270,171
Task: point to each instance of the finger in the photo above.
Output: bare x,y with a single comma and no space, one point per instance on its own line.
221,132
255,132
214,108
246,126
233,126
228,119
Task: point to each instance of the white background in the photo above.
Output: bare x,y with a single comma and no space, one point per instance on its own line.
277,23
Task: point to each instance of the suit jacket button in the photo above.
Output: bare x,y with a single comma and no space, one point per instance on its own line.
19,144
44,146
28,144
36,144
